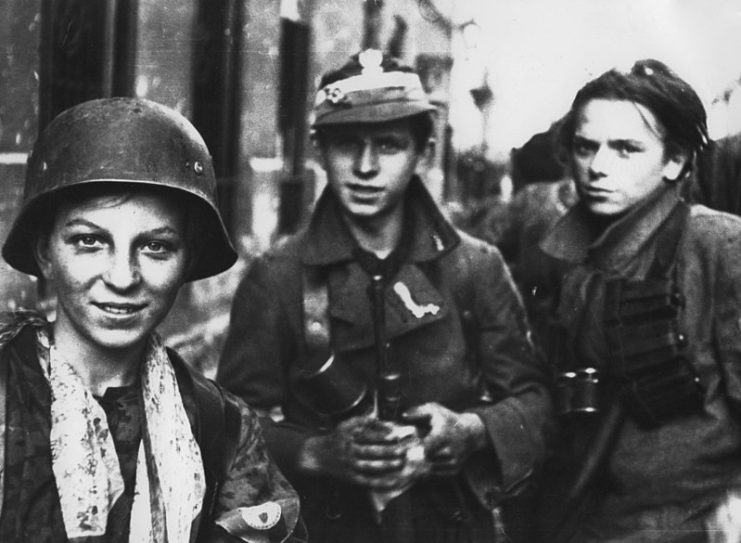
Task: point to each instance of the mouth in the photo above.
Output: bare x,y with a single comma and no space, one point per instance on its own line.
364,189
596,191
119,309
364,194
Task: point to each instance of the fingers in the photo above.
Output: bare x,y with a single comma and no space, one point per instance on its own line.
444,462
378,451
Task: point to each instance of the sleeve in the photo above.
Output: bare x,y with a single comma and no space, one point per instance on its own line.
726,306
520,420
259,347
255,503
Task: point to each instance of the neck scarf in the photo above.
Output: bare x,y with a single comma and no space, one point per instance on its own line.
170,482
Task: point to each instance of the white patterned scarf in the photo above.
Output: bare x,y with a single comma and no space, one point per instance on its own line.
170,482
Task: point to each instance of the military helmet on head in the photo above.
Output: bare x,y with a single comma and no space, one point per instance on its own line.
121,141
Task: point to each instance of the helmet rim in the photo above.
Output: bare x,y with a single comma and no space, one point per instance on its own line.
130,141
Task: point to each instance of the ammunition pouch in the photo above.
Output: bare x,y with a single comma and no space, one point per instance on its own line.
657,382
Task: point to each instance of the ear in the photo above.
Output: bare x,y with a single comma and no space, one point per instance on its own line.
675,166
41,255
426,157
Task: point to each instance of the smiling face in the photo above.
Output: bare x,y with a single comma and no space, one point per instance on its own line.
116,263
369,167
619,156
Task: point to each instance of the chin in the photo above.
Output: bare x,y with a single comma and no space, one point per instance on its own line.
120,340
604,209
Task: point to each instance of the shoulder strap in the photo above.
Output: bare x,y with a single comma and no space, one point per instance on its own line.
316,331
217,428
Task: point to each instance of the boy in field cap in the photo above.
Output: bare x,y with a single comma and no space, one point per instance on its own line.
390,349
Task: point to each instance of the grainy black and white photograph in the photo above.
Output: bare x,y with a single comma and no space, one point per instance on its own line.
370,271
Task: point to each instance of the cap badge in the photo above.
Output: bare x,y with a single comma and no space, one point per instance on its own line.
371,60
335,95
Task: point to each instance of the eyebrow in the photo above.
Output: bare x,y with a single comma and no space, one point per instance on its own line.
584,139
155,231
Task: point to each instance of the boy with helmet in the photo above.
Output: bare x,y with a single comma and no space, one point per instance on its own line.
645,337
108,436
391,350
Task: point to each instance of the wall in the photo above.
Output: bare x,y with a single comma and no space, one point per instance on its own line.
19,102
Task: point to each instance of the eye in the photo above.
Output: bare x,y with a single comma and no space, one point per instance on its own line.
344,144
87,242
157,247
391,145
583,148
626,148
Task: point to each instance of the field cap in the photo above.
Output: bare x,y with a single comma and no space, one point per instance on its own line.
371,87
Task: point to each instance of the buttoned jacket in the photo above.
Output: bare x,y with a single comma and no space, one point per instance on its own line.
472,352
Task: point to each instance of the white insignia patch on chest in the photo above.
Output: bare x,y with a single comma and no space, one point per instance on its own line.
416,309
261,517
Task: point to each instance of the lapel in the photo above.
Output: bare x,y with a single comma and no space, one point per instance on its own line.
574,238
412,302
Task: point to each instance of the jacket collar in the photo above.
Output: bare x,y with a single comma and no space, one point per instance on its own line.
328,239
575,238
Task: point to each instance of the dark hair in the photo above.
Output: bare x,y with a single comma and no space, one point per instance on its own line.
655,86
49,205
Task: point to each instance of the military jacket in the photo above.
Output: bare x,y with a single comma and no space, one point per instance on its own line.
30,503
472,352
660,483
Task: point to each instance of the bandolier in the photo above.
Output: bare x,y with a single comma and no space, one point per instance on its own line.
627,357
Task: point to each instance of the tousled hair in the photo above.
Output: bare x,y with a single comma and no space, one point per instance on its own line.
653,85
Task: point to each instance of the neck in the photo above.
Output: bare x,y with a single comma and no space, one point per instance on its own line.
380,235
99,368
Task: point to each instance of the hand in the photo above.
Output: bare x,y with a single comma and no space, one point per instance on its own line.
452,436
724,524
364,451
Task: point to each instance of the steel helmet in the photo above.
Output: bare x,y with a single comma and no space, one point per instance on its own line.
121,140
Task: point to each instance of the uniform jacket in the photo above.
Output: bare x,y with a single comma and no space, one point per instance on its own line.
660,483
30,504
494,374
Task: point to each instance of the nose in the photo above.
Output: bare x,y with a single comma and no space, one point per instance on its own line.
123,271
366,161
601,163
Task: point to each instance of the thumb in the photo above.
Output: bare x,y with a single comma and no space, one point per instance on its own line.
419,413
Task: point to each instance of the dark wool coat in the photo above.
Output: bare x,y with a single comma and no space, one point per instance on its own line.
474,354
660,483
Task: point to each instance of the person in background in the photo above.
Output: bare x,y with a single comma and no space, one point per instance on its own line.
107,434
717,183
391,350
645,342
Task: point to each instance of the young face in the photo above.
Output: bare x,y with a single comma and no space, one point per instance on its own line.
619,156
116,263
369,166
